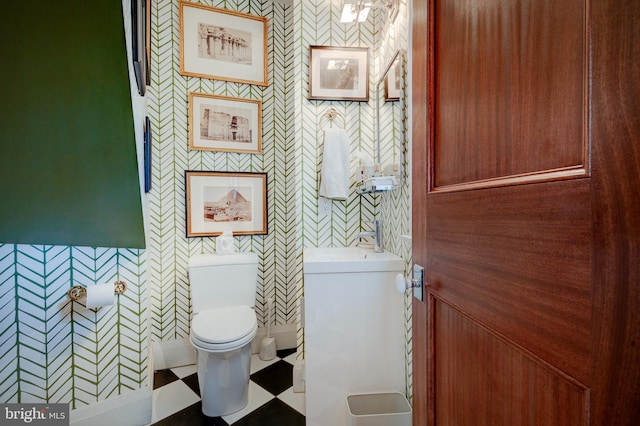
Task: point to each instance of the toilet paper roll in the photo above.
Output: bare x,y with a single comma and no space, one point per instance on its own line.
100,295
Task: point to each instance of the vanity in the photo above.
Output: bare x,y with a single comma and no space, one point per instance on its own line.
353,329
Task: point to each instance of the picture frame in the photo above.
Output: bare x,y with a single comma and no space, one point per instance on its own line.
217,201
221,44
139,43
392,79
147,154
148,43
223,123
339,73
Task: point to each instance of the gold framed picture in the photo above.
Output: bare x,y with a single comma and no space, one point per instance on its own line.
216,201
221,44
223,123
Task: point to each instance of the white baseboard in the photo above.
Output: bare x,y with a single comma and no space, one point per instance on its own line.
179,352
286,337
172,353
299,379
131,409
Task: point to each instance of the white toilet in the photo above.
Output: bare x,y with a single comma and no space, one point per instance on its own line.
223,294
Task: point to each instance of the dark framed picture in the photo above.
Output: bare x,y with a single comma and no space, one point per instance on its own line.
148,42
223,123
339,73
139,43
216,201
392,79
147,154
222,44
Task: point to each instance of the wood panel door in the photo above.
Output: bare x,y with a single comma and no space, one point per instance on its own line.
526,212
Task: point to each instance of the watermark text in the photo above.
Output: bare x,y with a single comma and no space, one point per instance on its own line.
35,414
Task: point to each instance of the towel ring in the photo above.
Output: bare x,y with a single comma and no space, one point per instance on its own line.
332,114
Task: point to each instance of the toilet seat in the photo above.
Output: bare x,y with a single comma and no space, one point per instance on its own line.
223,329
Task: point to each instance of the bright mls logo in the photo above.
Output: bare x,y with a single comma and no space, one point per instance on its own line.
36,414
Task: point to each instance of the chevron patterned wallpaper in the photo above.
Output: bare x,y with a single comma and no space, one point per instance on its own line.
53,351
169,249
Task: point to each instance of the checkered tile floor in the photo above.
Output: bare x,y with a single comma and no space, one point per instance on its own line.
176,396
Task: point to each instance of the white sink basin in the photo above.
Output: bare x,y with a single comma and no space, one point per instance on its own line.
328,260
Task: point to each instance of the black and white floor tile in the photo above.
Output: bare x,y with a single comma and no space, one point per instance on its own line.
176,396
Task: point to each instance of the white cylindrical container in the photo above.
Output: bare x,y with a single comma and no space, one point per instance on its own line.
379,409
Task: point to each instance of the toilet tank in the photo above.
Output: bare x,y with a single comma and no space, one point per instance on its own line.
217,281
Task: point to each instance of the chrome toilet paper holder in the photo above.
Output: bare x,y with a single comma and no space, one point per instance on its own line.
77,292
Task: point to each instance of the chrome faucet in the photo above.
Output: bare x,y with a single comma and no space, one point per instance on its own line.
377,234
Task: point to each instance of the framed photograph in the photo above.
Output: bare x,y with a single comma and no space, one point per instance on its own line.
147,154
222,123
216,201
339,73
139,43
222,45
392,79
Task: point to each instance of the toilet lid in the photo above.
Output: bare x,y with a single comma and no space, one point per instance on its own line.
222,325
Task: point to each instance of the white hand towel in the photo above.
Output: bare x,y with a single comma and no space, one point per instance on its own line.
334,174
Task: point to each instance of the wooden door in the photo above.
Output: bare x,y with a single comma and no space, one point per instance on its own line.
526,212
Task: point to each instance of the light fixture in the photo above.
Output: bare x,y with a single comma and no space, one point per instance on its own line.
358,10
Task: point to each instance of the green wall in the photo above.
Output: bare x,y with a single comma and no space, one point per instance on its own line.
68,167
